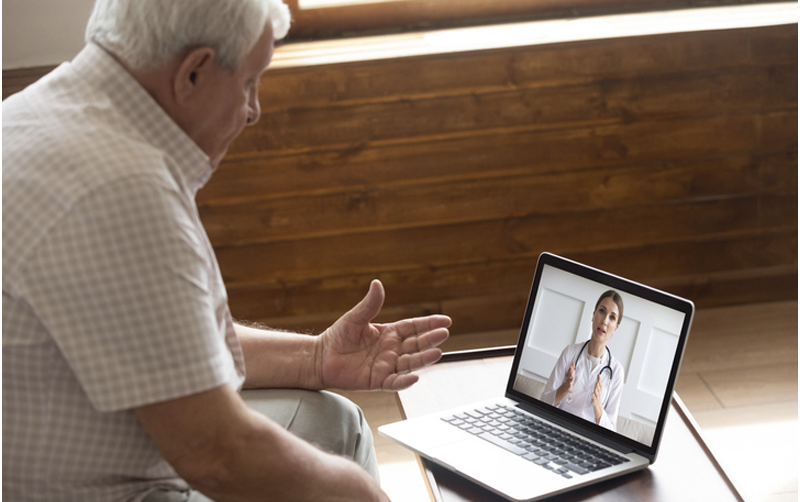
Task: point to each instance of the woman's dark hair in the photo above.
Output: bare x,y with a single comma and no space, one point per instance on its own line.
616,298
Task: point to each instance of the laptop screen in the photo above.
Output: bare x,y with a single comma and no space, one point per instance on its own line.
601,350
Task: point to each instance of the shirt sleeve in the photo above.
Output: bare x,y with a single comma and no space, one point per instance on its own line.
125,287
556,377
611,410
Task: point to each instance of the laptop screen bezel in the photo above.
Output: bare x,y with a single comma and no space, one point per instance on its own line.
592,430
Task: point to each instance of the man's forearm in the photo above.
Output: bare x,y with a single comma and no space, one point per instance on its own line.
298,472
231,453
275,359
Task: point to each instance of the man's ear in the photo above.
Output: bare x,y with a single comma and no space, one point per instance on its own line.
192,71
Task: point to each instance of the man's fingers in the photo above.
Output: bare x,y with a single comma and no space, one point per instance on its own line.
417,360
424,341
399,382
419,325
403,377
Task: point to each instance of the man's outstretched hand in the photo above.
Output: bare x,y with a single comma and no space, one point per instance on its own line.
355,354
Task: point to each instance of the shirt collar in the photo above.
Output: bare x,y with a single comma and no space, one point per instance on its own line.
192,167
594,361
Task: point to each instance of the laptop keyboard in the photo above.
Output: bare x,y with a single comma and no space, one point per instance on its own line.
535,440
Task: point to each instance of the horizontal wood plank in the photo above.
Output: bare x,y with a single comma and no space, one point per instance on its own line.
482,156
503,311
507,238
670,265
738,351
543,108
386,80
458,201
713,326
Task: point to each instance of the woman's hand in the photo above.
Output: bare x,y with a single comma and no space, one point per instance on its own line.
565,387
597,402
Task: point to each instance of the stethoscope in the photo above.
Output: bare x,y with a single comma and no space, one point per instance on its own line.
606,367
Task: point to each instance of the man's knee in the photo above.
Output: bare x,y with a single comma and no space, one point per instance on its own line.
342,421
327,420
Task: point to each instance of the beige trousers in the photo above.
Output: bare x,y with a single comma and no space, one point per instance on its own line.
326,420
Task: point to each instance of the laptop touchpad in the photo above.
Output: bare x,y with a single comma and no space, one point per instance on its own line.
494,467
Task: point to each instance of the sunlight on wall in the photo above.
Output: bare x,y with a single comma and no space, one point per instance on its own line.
321,4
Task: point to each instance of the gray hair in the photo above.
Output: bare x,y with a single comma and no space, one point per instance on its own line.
149,33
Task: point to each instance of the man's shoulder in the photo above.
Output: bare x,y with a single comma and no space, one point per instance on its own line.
62,150
90,120
62,129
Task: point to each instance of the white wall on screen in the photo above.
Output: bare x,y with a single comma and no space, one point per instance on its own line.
557,321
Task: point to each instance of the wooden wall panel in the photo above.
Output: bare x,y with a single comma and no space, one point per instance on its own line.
504,195
670,159
386,80
425,286
505,239
540,108
490,295
580,148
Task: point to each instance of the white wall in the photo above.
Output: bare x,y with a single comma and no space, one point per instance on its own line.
43,32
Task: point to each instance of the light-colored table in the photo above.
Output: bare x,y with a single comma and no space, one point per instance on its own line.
685,469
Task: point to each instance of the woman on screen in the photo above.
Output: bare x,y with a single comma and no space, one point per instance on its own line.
586,381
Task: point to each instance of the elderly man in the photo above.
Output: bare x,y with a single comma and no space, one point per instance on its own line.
121,364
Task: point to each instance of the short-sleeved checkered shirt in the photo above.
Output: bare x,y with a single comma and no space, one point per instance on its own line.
112,296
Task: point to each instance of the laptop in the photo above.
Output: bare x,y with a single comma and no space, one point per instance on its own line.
556,429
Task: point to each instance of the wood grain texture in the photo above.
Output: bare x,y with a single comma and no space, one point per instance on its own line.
675,165
668,158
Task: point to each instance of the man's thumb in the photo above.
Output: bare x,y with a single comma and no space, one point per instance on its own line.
368,308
